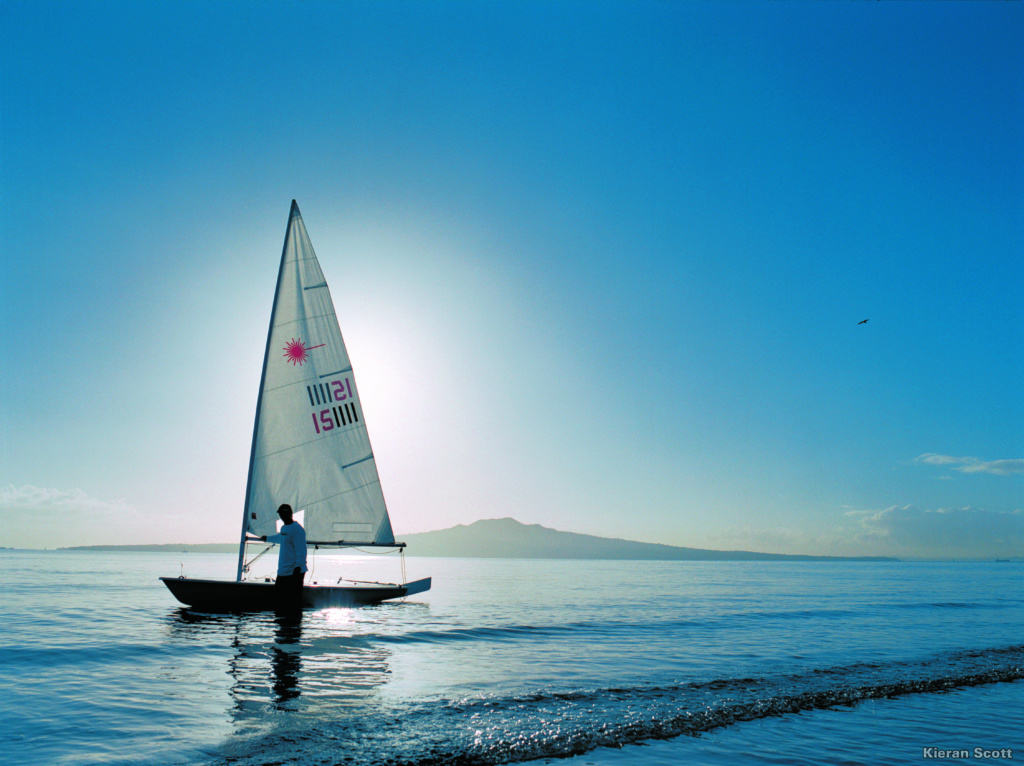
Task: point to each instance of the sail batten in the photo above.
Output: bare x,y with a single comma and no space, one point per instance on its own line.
310,444
305,320
336,372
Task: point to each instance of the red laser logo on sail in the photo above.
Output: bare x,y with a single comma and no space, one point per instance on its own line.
296,352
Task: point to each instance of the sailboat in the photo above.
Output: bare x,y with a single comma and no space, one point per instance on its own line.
310,449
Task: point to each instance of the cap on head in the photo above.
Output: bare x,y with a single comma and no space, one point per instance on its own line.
285,512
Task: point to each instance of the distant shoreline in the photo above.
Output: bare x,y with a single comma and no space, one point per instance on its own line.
510,539
233,548
158,548
225,548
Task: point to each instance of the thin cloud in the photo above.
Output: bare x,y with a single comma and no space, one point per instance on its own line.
998,467
1005,467
903,531
44,517
42,500
943,533
932,459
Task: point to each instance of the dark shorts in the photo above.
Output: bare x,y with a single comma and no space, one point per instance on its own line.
289,589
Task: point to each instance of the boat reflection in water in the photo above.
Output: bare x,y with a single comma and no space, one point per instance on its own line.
313,664
286,658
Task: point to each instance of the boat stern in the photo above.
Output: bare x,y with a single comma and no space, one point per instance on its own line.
417,586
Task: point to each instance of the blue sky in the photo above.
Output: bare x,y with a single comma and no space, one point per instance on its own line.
599,265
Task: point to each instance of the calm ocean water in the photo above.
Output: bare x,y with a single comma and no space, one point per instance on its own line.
512,661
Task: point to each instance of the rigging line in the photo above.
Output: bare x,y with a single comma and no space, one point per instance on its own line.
254,559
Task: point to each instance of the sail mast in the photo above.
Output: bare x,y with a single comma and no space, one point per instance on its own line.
259,399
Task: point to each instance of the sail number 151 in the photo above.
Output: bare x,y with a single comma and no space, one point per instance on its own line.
341,409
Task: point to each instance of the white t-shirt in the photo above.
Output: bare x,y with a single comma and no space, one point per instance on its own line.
292,539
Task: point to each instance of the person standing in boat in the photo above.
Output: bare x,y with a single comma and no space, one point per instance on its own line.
291,559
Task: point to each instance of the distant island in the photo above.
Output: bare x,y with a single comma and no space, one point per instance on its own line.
508,538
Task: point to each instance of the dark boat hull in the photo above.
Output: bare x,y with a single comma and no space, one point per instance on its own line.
230,596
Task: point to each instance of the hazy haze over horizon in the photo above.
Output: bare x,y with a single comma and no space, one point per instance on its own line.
599,267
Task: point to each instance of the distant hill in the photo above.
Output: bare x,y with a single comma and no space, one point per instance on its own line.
508,538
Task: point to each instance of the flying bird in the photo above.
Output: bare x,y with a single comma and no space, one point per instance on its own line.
863,321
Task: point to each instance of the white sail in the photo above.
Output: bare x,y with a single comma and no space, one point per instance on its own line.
310,444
